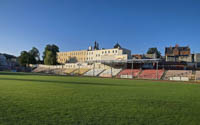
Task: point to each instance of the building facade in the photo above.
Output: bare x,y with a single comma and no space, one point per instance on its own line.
72,56
109,54
144,56
117,53
178,54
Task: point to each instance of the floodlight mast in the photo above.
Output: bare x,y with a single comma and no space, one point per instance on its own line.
79,66
132,69
156,70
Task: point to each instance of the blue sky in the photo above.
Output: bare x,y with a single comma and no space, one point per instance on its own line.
76,24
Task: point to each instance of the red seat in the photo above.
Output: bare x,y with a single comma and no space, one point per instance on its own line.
151,74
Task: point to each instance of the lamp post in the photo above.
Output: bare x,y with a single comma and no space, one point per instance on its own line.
79,65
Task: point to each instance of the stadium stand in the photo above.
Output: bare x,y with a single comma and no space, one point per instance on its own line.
70,71
58,71
128,73
40,70
81,71
178,73
94,72
110,73
105,71
150,74
197,75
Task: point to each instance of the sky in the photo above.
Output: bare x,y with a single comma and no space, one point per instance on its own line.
75,24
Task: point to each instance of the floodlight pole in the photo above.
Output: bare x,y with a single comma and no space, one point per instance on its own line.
93,68
79,69
132,69
79,66
157,70
111,69
195,72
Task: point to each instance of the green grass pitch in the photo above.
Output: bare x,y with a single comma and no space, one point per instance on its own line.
27,99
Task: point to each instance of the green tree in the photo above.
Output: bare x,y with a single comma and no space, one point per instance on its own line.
154,51
24,58
31,57
34,52
53,59
49,58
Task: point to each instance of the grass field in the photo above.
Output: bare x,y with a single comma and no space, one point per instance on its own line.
34,99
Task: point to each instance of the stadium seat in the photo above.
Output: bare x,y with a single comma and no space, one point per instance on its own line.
94,72
81,71
128,73
151,74
197,75
178,73
70,71
110,73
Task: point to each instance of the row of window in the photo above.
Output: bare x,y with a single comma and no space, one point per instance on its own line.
114,51
73,54
80,59
89,53
104,52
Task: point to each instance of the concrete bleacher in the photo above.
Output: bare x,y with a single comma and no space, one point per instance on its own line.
40,70
70,71
110,73
181,75
197,75
129,73
94,72
81,71
151,74
178,73
58,71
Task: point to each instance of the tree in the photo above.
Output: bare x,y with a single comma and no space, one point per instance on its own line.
49,58
154,51
31,57
35,53
53,59
24,58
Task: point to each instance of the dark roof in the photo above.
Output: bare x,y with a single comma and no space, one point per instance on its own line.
117,46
